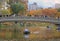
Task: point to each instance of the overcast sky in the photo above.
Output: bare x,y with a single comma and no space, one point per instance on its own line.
45,3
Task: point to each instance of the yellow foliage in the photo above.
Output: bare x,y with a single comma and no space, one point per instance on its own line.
6,12
9,10
57,14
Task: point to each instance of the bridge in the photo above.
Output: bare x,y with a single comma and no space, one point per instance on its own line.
27,19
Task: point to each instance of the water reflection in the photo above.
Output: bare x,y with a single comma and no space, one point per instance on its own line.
26,36
36,30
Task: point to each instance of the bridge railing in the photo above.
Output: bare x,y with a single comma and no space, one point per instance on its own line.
28,17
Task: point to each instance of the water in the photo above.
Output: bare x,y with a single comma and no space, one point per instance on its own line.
26,36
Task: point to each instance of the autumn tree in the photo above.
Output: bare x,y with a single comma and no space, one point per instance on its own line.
49,12
58,13
35,12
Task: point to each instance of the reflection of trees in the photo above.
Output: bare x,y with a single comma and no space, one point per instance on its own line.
15,31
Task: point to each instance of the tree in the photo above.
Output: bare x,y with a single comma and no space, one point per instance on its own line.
58,9
16,8
49,12
57,15
35,12
0,5
5,12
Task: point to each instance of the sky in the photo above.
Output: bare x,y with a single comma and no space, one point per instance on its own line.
45,3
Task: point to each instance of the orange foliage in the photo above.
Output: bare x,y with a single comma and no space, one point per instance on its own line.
32,12
49,12
35,12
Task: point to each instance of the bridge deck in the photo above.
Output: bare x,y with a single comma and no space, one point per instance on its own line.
25,18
